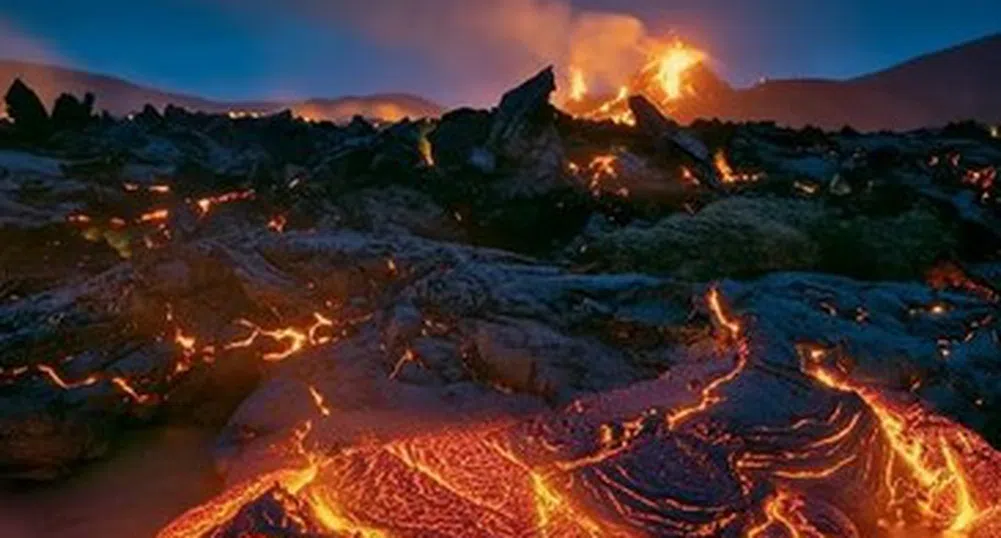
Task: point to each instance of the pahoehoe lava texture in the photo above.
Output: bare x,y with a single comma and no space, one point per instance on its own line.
512,322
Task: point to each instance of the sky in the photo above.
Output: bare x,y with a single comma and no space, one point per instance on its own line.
463,51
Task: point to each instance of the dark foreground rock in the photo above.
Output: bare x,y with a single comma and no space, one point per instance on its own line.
512,322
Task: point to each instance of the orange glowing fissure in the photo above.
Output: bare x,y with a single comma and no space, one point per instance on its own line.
121,383
472,477
206,204
294,339
733,333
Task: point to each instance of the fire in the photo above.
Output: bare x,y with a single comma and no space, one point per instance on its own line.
662,79
727,173
578,84
424,146
672,65
241,114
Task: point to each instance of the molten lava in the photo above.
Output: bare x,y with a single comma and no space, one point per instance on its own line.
919,473
928,473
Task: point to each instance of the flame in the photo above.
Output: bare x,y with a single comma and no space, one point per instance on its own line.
578,84
727,173
672,64
157,215
425,148
662,79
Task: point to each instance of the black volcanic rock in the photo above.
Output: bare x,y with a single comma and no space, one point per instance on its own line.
26,109
68,112
523,109
549,324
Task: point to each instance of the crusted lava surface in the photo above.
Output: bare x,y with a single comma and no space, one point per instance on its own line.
513,322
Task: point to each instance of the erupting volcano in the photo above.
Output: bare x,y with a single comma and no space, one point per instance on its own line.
663,79
582,312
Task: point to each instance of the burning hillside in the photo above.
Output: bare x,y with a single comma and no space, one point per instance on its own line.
663,79
514,322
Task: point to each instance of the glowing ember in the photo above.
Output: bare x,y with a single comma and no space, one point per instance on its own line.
277,223
425,148
62,383
578,84
408,357
205,205
124,385
672,64
158,215
949,275
318,400
727,173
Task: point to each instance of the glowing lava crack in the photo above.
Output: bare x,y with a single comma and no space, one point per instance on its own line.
672,469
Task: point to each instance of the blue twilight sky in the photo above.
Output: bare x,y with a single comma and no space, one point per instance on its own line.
459,51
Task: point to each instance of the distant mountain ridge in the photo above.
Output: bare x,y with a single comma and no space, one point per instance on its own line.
959,83
121,97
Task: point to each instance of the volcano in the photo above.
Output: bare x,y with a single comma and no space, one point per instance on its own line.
952,85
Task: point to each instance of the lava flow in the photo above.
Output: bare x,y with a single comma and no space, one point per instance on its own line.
932,472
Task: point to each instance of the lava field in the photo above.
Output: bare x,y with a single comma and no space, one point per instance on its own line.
511,322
